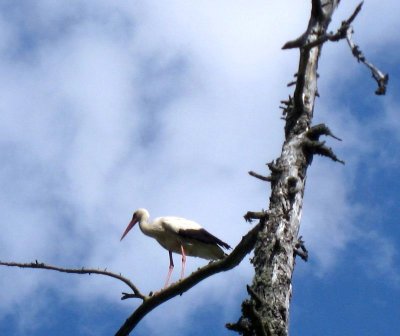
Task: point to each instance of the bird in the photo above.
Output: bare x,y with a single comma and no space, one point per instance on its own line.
178,235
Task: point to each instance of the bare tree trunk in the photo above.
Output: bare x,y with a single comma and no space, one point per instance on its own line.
266,312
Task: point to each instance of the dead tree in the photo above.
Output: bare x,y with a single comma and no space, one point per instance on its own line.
266,311
275,238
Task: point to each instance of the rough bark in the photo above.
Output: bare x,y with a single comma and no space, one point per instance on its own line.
266,311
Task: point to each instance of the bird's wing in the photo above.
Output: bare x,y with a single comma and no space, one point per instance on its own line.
189,229
204,236
175,224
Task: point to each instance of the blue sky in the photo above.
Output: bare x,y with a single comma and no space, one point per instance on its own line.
108,106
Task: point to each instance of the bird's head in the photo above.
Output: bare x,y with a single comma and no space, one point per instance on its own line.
138,215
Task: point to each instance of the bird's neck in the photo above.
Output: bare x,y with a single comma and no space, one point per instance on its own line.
145,226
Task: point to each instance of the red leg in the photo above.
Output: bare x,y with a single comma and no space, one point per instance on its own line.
171,268
183,262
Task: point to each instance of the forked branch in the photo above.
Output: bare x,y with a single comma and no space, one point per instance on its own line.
319,147
340,34
346,32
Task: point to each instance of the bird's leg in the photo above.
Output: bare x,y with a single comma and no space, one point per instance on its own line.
183,262
171,268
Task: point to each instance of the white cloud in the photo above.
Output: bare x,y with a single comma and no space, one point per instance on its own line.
380,257
328,215
164,106
391,121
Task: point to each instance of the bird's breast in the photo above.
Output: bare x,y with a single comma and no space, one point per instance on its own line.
169,242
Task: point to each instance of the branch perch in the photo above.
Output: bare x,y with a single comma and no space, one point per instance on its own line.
150,302
232,260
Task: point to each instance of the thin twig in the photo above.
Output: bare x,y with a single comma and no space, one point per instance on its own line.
381,78
260,177
82,270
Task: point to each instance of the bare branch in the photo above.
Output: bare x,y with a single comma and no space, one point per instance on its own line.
261,177
232,260
82,270
321,129
319,147
356,11
313,145
381,78
345,32
300,249
339,35
321,11
288,102
297,43
250,215
129,296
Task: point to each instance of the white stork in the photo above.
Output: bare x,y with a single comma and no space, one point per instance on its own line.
179,235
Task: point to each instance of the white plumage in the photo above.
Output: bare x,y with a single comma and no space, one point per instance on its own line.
179,235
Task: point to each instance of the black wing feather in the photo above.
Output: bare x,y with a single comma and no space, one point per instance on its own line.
202,235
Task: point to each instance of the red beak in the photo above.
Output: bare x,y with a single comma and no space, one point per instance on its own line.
130,226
